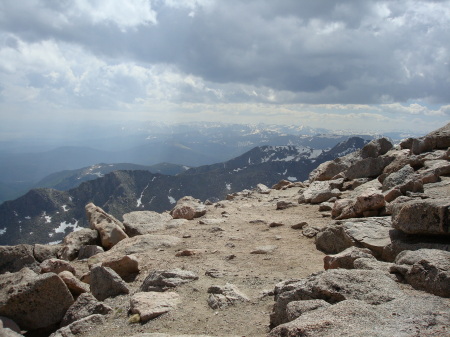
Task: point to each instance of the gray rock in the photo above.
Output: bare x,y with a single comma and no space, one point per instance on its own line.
346,258
368,167
75,286
295,309
84,306
223,296
144,222
372,264
44,252
402,317
282,183
56,266
188,208
335,285
438,139
371,233
80,327
110,229
14,258
310,231
73,242
34,301
162,280
398,178
263,189
264,249
282,204
330,169
105,283
320,191
425,269
88,251
429,216
153,304
433,169
376,147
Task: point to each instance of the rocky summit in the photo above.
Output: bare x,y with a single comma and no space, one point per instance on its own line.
361,248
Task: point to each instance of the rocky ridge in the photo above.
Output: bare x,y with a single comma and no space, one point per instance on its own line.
380,231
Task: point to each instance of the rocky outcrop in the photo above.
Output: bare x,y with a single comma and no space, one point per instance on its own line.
44,252
75,286
320,191
429,216
34,301
438,139
188,208
145,222
162,280
346,258
110,229
425,269
332,286
14,258
80,327
56,266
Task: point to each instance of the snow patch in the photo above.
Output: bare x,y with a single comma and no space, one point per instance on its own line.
291,178
315,153
15,213
55,242
48,219
284,173
151,200
186,168
28,217
171,200
3,231
63,225
50,234
64,207
139,201
228,186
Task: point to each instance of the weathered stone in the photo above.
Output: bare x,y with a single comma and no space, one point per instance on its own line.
162,280
282,204
369,200
75,286
34,301
371,233
340,205
14,258
7,323
88,251
425,269
73,242
310,231
368,167
326,206
276,224
372,264
295,309
429,216
433,169
299,225
153,304
105,283
330,169
346,258
222,296
123,266
281,184
263,189
188,208
406,316
110,229
145,222
398,178
84,306
392,194
376,147
264,249
79,327
438,139
320,191
56,266
335,285
44,252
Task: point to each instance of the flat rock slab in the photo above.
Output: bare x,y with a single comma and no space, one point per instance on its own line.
223,296
264,249
145,222
161,280
105,283
153,304
14,258
80,327
85,305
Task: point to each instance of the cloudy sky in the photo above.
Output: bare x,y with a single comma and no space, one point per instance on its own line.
348,64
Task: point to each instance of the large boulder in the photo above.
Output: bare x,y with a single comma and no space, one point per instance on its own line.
162,280
84,306
73,242
428,216
75,286
372,233
149,305
330,169
188,208
124,266
223,296
376,147
438,139
320,191
44,252
332,286
425,269
110,229
144,222
56,266
368,167
346,258
14,258
80,327
34,301
406,316
105,283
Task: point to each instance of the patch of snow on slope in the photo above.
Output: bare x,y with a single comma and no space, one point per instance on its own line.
63,225
55,242
228,186
315,153
239,169
48,219
292,178
186,168
64,207
3,231
139,201
171,200
284,173
28,217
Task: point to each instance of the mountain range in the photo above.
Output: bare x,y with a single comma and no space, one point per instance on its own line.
46,215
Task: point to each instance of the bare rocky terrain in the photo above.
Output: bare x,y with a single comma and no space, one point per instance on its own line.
360,249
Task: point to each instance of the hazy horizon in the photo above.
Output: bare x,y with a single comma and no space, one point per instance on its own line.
354,65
